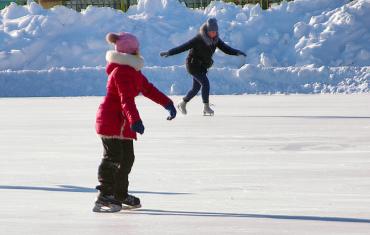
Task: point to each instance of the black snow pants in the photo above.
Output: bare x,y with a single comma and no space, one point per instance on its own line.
118,158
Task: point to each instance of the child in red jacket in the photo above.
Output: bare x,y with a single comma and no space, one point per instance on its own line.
118,121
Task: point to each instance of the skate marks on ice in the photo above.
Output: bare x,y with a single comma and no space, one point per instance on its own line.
57,188
302,117
78,189
246,215
138,211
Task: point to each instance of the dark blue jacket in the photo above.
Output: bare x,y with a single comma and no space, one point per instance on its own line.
199,59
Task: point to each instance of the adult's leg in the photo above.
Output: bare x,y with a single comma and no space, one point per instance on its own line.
202,79
193,91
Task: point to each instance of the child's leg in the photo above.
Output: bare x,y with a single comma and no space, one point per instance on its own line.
110,165
127,160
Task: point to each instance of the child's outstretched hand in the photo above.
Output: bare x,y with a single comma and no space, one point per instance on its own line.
172,110
138,127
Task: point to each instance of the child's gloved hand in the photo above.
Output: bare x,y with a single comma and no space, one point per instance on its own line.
172,110
138,127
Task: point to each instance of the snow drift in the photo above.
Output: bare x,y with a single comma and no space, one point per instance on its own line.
327,40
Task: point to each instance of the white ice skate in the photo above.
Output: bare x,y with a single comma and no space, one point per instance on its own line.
182,107
207,111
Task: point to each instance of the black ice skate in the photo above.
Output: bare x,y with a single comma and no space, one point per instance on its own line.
107,204
131,202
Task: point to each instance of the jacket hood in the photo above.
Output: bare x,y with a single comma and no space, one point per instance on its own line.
203,33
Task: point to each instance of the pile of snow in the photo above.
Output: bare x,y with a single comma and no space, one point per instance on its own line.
302,36
174,80
339,37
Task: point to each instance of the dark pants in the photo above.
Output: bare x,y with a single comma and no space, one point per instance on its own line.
115,167
199,81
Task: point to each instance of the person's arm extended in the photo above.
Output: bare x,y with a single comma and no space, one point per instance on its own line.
177,50
151,92
228,50
125,87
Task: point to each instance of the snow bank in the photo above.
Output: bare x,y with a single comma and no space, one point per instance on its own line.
338,37
42,45
174,80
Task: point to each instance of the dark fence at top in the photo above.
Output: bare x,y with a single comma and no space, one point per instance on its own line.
204,3
123,5
78,5
4,3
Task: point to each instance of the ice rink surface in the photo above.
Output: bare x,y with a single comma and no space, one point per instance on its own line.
280,164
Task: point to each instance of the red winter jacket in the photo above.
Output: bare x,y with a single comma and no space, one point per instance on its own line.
118,110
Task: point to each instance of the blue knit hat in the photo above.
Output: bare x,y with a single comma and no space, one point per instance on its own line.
212,25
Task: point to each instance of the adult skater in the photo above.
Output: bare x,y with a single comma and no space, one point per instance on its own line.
199,60
118,121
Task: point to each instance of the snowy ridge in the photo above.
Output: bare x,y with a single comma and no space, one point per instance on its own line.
286,45
343,34
174,80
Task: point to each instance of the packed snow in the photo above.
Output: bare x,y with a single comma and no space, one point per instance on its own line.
276,165
87,81
303,46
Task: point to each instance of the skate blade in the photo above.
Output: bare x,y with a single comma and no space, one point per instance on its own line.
208,114
128,207
100,208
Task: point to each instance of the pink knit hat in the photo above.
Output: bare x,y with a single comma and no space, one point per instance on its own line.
124,42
